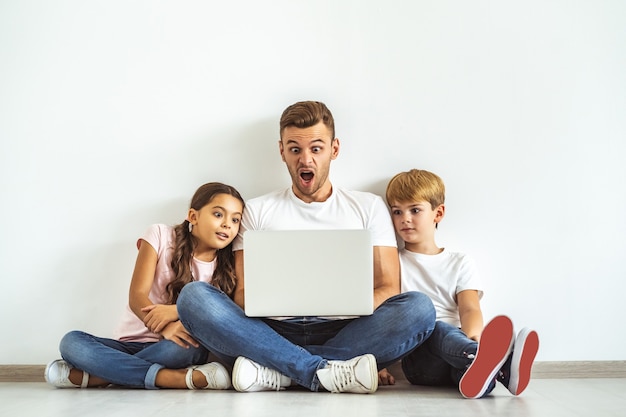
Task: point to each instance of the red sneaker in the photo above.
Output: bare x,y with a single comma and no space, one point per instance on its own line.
496,342
515,375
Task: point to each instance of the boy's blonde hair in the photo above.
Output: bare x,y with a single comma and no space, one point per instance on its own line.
416,185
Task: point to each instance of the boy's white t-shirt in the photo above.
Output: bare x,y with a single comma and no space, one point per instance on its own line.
344,209
441,277
161,237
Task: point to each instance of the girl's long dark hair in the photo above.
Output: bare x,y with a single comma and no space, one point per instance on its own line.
185,243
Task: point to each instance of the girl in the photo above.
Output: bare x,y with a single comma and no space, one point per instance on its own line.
152,348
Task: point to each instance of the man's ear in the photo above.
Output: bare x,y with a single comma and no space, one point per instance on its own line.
281,148
335,145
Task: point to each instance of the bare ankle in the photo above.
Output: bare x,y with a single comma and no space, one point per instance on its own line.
199,379
76,376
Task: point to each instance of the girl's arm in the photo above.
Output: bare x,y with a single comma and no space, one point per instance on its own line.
470,314
156,317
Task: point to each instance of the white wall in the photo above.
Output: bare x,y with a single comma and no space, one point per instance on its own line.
112,113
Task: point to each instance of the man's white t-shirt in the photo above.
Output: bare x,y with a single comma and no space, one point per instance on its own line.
344,209
441,277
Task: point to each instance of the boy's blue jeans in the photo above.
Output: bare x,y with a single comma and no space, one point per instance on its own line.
131,364
298,350
442,359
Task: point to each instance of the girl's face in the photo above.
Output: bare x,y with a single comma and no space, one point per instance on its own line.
216,224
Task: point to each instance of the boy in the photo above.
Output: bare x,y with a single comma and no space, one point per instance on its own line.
459,351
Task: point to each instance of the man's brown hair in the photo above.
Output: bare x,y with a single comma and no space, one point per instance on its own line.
305,114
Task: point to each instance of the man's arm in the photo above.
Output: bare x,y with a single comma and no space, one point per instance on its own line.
238,296
386,273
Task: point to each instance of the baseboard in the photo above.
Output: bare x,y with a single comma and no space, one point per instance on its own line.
22,373
579,369
541,370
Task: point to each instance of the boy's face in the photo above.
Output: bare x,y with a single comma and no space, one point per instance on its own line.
415,221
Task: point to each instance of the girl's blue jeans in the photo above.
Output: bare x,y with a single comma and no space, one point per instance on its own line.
299,349
131,364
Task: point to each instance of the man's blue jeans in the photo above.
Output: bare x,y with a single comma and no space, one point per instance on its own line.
298,350
442,359
131,364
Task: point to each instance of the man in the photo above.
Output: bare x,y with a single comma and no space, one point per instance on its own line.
334,355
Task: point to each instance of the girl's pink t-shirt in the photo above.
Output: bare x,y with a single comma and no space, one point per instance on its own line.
161,238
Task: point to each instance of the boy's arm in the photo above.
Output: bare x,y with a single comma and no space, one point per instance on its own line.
470,314
386,273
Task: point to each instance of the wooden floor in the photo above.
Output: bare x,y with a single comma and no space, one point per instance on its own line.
544,398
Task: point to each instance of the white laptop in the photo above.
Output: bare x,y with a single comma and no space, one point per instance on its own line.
292,273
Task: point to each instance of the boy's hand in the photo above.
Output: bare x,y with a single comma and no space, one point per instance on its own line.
385,378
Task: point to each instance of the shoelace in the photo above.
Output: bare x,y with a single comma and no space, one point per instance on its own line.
268,378
342,376
63,380
64,374
211,380
209,375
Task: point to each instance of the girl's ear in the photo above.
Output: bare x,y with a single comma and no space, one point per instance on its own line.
440,212
192,216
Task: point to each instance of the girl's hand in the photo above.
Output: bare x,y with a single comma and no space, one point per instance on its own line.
159,316
385,378
177,333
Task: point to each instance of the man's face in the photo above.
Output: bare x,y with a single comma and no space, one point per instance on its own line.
307,153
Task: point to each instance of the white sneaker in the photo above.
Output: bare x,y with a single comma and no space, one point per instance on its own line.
249,376
358,375
216,375
57,373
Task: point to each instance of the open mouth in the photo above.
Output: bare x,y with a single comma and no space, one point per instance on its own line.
306,176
